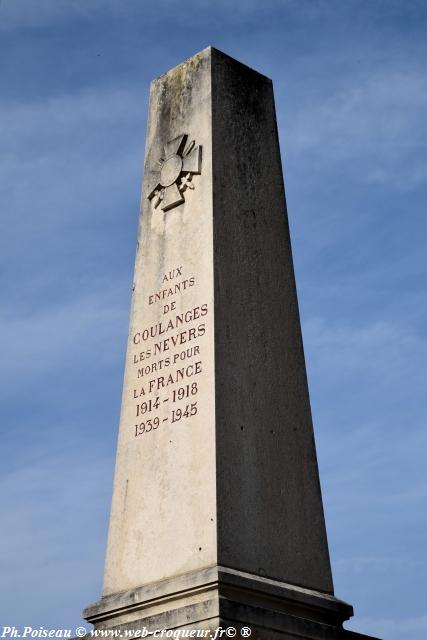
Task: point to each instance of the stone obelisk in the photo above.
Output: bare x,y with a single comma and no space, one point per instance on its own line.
217,516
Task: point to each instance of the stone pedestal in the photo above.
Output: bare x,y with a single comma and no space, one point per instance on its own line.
221,598
217,515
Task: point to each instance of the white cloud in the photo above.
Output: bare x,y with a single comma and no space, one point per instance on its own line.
43,13
56,165
44,339
414,628
54,505
389,351
371,564
375,120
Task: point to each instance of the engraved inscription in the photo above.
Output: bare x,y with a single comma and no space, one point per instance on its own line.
167,356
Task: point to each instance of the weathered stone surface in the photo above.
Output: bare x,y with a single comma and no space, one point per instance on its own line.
163,519
270,517
217,512
223,597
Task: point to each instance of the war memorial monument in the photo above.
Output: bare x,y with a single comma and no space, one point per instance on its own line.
217,516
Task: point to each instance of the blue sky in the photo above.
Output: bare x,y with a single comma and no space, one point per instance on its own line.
351,96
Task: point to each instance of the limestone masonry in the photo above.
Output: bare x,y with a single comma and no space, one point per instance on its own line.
217,516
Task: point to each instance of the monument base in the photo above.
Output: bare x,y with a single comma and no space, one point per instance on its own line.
220,597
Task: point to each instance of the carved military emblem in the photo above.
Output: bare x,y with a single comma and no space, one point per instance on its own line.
181,160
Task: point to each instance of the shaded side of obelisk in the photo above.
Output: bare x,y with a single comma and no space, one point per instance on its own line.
270,506
217,517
